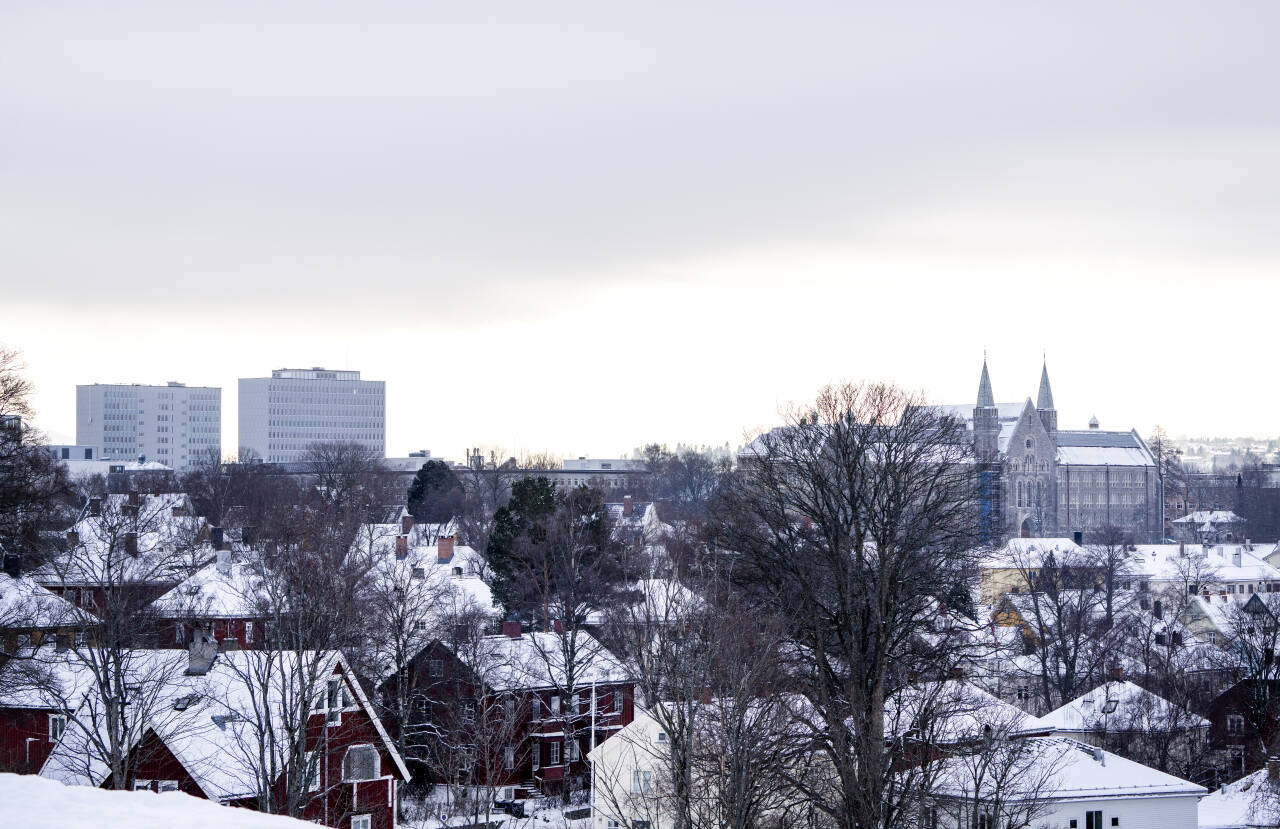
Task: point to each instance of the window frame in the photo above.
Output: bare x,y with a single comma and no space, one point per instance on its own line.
60,720
377,763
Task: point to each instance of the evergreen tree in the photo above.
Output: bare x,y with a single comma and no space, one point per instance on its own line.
533,501
436,494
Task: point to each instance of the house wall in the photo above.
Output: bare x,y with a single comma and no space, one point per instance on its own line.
1133,813
24,739
179,633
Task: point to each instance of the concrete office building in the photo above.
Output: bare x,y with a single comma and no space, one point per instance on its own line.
281,415
174,424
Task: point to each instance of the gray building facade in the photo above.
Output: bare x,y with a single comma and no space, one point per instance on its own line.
174,424
282,415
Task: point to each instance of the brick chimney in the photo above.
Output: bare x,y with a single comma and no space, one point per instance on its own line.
131,543
73,539
628,506
957,672
406,524
444,548
13,565
511,630
402,547
134,499
216,537
179,511
1273,768
1117,673
95,506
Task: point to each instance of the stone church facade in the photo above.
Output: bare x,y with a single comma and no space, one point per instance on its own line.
1057,483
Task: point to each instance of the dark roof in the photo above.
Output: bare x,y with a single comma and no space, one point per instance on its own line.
1118,440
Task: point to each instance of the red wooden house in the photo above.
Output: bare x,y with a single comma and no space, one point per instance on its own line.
538,734
212,725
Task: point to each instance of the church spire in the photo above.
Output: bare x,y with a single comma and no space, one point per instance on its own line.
985,398
1045,398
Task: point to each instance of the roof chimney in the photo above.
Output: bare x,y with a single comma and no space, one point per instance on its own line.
957,672
402,547
1235,557
95,506
628,505
73,539
511,630
201,653
224,562
444,548
1273,768
216,537
406,524
131,543
1117,673
134,500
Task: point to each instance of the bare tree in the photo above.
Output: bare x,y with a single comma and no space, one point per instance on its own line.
849,521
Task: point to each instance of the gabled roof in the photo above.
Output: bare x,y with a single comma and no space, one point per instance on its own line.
168,546
536,661
1251,801
207,721
1018,552
25,604
1210,517
953,711
214,592
1077,772
1120,706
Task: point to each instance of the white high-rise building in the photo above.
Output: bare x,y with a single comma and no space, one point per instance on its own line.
281,415
174,424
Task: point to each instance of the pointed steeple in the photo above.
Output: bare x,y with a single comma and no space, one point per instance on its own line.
1045,398
985,398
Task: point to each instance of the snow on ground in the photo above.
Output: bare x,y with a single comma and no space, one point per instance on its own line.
37,803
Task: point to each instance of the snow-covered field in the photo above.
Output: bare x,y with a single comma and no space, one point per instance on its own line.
36,803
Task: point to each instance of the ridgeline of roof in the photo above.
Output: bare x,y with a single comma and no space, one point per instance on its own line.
1080,772
1250,801
1134,708
24,604
1210,517
536,660
209,721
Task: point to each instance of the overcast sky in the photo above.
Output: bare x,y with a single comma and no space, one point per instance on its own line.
582,227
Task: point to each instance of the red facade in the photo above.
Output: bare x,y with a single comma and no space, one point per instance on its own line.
26,738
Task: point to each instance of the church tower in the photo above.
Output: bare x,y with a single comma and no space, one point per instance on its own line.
1044,405
986,419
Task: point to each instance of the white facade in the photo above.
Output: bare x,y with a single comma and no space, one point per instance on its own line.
174,424
281,415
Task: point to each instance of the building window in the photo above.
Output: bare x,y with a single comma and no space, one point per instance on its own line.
435,667
509,758
361,821
536,752
619,697
555,706
57,725
1093,819
555,754
642,781
360,763
1235,725
248,633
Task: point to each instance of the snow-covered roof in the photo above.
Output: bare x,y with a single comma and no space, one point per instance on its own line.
1098,448
208,721
1252,801
32,801
1217,516
964,411
1019,552
953,711
1076,771
170,542
1170,561
536,660
1121,706
25,604
231,591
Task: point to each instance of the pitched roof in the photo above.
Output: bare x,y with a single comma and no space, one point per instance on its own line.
25,604
1098,448
952,711
1210,517
1076,771
216,592
536,660
1121,706
1251,801
208,721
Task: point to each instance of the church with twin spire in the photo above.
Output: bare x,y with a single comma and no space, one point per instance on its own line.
1060,483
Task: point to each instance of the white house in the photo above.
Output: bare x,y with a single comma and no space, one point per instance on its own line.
1060,782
